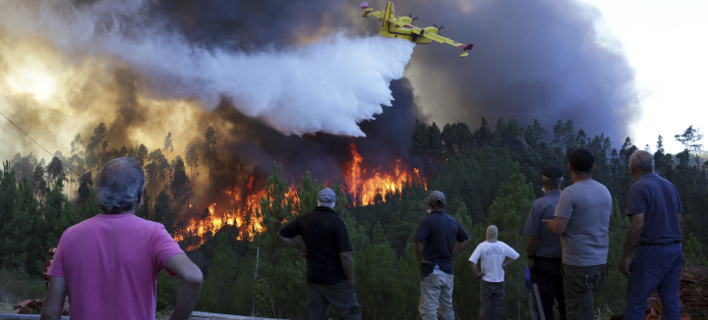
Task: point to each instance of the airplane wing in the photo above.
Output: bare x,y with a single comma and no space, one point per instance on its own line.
401,27
438,38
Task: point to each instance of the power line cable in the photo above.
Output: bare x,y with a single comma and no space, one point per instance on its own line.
37,143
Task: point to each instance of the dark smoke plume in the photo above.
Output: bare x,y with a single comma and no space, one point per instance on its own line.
254,63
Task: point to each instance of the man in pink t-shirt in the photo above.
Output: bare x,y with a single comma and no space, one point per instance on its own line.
108,264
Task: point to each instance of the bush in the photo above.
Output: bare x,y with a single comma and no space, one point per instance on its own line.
16,286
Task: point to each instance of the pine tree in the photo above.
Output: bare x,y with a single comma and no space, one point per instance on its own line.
612,296
282,269
373,267
218,294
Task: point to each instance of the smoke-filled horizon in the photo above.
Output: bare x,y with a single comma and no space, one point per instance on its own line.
309,68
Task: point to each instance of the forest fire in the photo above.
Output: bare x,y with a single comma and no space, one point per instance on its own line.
363,187
245,204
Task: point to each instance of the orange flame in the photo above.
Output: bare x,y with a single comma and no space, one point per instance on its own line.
364,187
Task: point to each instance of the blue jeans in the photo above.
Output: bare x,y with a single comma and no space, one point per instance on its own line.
655,267
436,289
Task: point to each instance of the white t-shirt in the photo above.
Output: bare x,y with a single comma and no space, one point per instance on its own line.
493,255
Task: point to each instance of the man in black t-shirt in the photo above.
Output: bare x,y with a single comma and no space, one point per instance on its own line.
329,259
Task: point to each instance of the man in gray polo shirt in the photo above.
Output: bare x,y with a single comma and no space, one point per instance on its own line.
582,219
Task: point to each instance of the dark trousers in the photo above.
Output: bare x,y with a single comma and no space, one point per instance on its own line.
340,295
580,284
546,274
492,296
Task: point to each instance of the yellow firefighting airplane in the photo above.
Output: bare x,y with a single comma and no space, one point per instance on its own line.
401,27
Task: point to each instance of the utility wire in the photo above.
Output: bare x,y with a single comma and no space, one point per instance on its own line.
37,143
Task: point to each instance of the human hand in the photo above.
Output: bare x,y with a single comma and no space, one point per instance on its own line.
530,263
549,224
480,275
504,265
421,262
350,282
624,265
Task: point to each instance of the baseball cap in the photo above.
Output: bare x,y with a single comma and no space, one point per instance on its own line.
552,172
436,196
326,195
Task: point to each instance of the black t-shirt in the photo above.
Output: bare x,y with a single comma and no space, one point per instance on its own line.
325,236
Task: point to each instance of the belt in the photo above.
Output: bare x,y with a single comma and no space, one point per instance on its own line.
642,244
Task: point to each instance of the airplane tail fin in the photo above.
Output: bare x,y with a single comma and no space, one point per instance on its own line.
367,10
465,49
388,14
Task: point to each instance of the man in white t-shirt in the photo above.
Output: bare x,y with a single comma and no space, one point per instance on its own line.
492,252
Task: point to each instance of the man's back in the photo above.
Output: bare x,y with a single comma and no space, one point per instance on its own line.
325,236
493,255
549,245
110,263
439,232
659,201
588,206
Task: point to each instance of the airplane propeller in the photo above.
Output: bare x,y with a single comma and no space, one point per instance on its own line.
410,14
440,27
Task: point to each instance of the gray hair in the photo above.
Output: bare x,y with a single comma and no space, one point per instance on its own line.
325,204
120,183
642,161
555,182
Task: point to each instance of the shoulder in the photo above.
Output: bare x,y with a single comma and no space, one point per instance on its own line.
504,244
481,245
538,206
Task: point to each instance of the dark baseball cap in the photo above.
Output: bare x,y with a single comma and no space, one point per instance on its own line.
581,159
326,195
552,172
436,197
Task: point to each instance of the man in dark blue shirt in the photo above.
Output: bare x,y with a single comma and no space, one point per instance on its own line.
544,248
329,259
435,250
656,230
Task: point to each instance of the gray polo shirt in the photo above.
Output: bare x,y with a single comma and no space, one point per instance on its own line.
587,205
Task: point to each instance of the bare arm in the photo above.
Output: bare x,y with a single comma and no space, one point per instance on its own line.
54,304
293,242
509,261
531,244
348,266
477,274
419,247
191,277
684,232
557,225
460,246
634,232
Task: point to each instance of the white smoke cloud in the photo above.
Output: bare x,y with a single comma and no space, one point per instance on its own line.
327,86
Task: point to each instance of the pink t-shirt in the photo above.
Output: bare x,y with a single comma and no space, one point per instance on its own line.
111,263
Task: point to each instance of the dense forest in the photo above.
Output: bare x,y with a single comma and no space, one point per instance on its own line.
488,176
